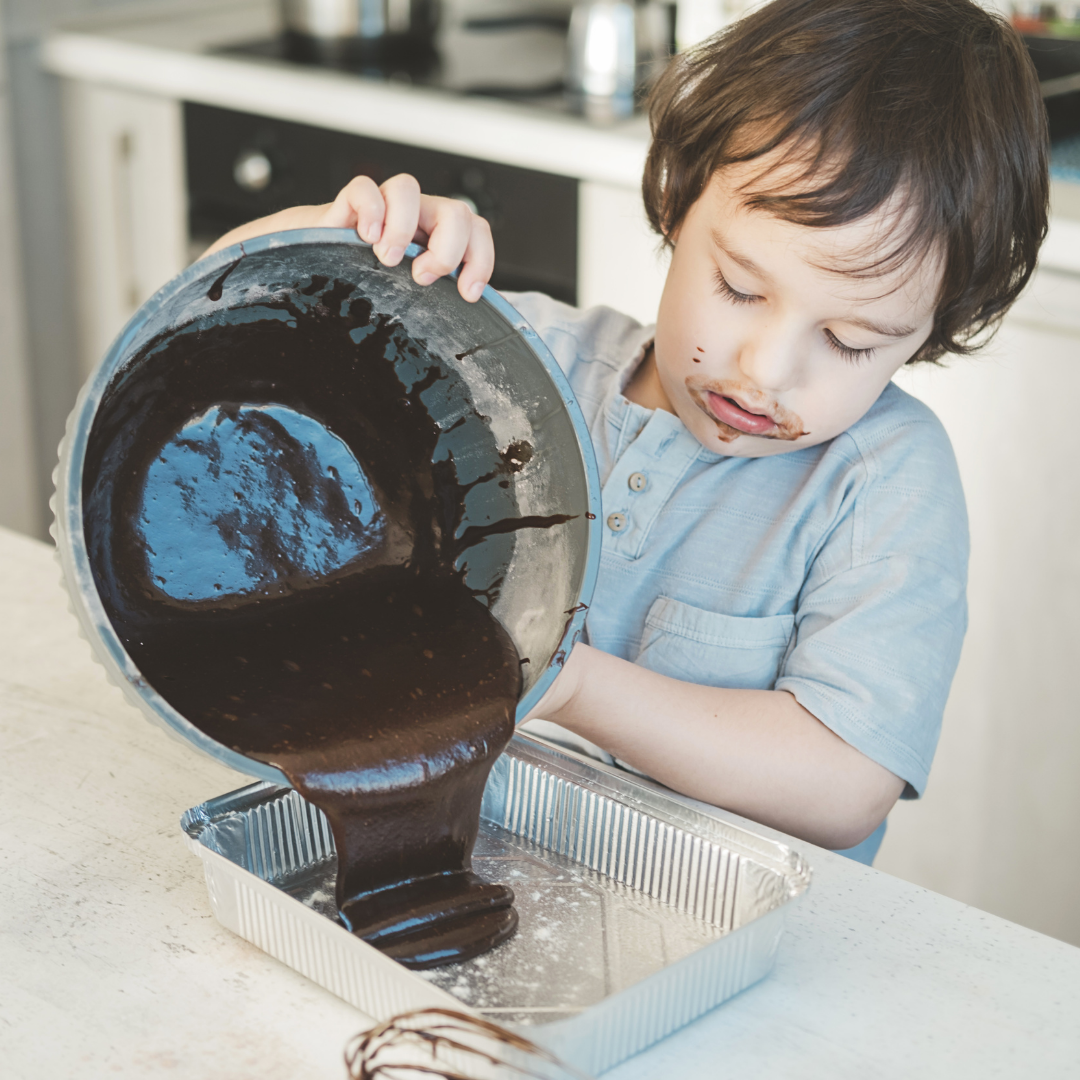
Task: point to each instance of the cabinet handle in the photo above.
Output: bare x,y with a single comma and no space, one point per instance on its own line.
124,186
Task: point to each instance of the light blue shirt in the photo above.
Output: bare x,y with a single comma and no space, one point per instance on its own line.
836,572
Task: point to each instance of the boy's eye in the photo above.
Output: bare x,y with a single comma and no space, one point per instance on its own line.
728,293
846,351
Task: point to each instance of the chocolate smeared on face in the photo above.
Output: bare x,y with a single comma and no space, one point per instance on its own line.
275,532
774,421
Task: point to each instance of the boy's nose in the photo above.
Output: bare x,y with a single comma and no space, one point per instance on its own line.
770,358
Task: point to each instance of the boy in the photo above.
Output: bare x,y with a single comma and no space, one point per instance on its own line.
846,186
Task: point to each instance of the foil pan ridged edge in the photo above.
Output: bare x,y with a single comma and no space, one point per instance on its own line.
627,830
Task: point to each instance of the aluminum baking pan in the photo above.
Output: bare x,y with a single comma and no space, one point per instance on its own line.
637,913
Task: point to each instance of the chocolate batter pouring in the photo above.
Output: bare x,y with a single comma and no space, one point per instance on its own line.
276,547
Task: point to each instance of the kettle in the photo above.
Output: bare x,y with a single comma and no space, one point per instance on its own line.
616,48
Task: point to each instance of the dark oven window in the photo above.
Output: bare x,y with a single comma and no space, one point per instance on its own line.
241,167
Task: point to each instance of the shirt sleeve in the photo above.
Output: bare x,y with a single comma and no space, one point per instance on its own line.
587,343
882,614
551,319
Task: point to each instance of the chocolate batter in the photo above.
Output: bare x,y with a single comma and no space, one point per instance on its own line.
277,549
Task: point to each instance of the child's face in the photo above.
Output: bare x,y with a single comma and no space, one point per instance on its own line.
762,345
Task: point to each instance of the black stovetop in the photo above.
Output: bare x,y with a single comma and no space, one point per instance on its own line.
510,58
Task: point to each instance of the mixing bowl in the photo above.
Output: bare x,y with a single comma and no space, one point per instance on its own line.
504,418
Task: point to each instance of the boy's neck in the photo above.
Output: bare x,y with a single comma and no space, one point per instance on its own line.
645,388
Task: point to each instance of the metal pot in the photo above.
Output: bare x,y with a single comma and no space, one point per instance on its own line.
343,30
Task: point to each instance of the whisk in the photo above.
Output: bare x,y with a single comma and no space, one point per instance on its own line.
449,1045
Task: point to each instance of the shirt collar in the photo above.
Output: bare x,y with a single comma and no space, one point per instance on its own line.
637,348
628,414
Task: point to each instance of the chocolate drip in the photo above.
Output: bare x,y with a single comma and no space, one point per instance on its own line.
277,549
218,287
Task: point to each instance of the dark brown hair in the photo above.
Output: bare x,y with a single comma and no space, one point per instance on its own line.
934,102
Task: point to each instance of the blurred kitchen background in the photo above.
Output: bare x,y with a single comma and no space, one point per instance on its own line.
132,134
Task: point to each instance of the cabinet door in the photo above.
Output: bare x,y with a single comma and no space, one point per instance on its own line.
126,186
997,826
620,261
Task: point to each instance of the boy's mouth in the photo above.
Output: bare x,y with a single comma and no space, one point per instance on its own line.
728,411
739,410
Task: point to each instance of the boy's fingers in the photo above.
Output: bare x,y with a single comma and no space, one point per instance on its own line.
367,200
448,223
359,205
479,261
392,216
402,197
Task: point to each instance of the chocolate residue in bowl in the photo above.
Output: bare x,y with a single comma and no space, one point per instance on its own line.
277,549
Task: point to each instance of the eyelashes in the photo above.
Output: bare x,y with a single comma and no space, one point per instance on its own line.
724,290
728,293
846,351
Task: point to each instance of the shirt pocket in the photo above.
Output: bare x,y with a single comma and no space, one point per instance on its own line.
713,649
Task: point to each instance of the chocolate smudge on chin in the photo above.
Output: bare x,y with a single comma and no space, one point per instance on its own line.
276,547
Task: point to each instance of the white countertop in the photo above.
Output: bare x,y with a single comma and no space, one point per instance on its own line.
112,965
166,51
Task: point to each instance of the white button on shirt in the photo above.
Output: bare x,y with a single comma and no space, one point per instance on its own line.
835,572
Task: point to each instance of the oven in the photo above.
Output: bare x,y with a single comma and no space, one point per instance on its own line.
241,166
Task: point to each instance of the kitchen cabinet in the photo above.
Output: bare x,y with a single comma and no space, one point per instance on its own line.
129,209
620,260
999,817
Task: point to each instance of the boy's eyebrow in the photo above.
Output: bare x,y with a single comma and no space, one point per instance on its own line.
881,328
744,261
752,267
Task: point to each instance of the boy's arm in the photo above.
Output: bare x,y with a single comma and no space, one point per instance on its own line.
390,217
758,753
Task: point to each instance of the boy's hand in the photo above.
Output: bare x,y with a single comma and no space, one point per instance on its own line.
392,215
